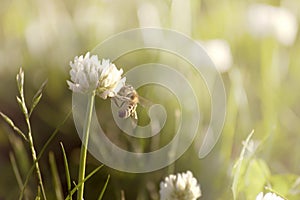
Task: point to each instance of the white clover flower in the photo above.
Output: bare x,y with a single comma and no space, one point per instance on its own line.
88,74
265,20
110,81
182,186
268,196
220,53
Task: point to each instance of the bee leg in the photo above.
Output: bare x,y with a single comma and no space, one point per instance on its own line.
134,115
134,119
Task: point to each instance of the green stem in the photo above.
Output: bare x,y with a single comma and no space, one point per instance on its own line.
31,143
33,153
22,104
269,86
85,139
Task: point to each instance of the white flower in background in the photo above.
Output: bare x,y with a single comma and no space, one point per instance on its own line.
148,15
220,53
182,186
265,20
88,74
268,196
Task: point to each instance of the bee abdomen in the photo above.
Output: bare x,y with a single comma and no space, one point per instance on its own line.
123,113
127,111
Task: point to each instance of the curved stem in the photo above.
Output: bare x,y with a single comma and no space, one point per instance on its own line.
85,139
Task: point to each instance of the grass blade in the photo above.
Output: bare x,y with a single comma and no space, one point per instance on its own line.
104,188
237,168
16,170
11,123
22,159
68,177
55,176
42,152
84,180
37,97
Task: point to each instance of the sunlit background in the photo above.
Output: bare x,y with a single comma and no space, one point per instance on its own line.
255,45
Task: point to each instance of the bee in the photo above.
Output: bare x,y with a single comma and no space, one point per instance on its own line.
129,99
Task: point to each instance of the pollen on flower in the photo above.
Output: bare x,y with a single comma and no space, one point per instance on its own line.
182,186
88,74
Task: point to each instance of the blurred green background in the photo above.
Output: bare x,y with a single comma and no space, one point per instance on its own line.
262,86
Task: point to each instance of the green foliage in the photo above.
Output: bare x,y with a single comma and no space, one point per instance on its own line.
83,181
37,97
104,188
68,176
11,123
55,176
286,185
16,170
262,94
41,194
251,175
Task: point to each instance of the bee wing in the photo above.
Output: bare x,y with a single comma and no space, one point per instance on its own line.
119,101
145,102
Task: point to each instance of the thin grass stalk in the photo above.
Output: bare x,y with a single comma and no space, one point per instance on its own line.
22,104
41,153
67,171
16,170
55,177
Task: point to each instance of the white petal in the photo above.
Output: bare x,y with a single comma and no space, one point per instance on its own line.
120,84
260,196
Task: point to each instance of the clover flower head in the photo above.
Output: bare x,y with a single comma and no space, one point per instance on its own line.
88,74
182,186
220,52
268,196
110,80
265,20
